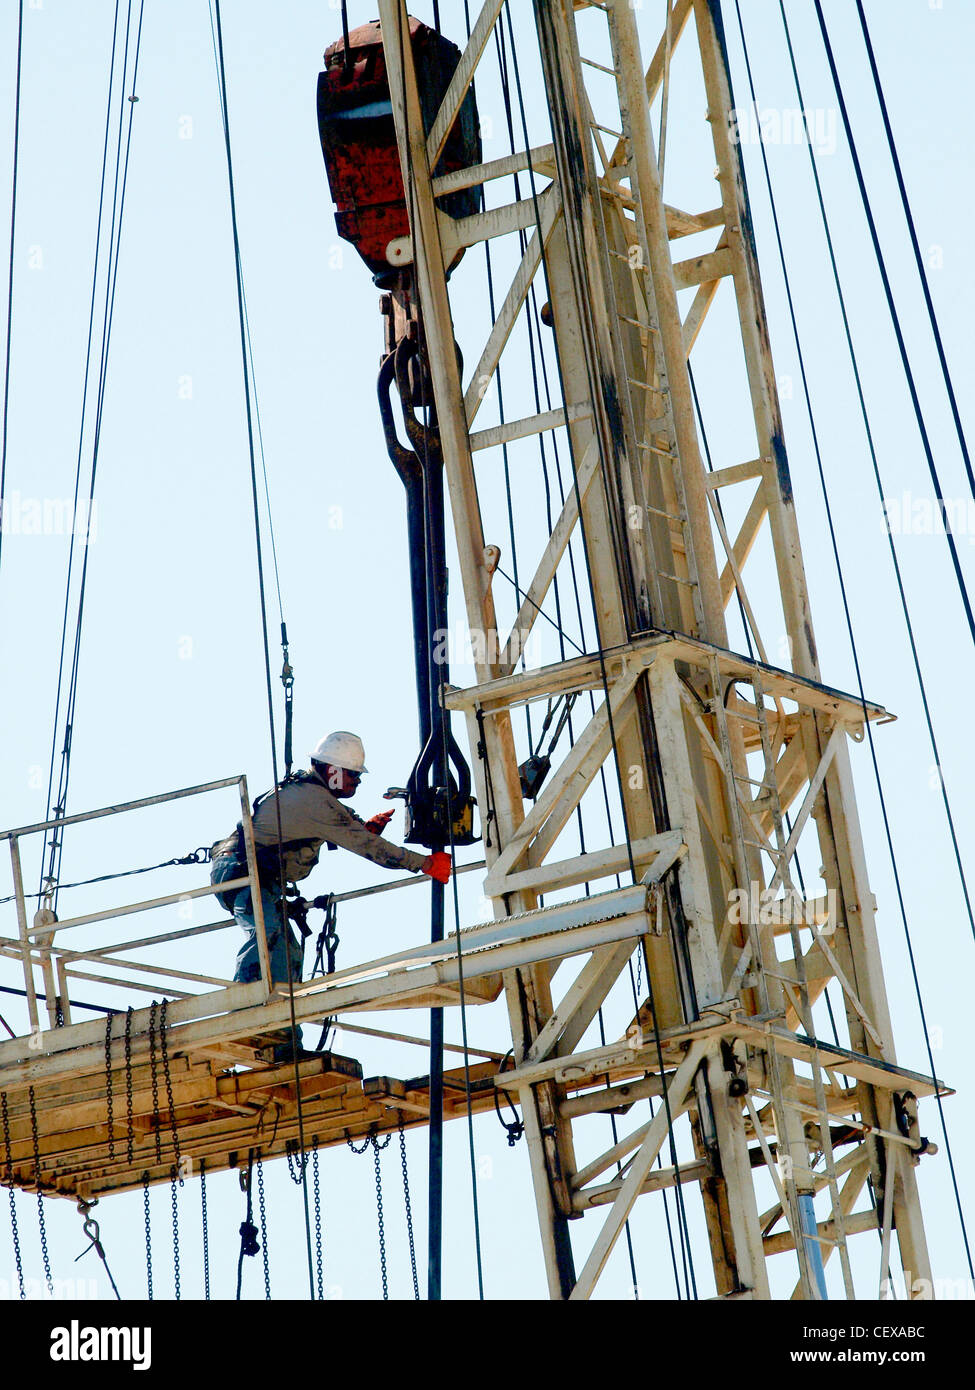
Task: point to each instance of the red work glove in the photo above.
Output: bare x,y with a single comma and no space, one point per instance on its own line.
438,866
377,824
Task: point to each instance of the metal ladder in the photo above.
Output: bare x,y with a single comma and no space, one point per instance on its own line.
768,803
647,403
657,443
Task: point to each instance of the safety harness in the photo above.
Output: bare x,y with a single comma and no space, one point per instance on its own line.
268,857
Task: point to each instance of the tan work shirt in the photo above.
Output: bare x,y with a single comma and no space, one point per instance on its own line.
309,811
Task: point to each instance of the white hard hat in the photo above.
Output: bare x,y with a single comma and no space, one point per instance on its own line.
341,749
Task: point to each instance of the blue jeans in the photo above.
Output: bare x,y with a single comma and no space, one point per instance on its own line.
280,938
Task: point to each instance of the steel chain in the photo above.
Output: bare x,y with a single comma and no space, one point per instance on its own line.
206,1232
13,1205
155,1077
261,1209
40,1198
319,1257
169,1090
173,1190
409,1207
128,1084
110,1099
377,1149
145,1204
297,1164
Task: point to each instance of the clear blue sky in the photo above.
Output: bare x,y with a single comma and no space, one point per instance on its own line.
171,683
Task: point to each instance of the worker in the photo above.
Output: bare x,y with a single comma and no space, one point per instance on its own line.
311,814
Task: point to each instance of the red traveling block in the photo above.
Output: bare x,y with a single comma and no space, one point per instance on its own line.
355,122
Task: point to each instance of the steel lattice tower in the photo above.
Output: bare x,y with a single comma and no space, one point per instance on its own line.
724,761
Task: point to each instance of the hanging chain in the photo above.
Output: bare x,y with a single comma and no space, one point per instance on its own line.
128,1084
319,1258
297,1163
110,1100
172,1191
263,1212
409,1208
206,1233
155,1077
169,1091
145,1204
13,1205
175,1173
40,1199
377,1149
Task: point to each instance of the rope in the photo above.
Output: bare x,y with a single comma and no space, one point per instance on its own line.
895,321
918,257
10,277
514,1129
600,648
631,1256
880,490
75,1003
839,568
81,430
346,51
91,1230
56,844
467,1077
436,1016
295,1036
287,673
195,856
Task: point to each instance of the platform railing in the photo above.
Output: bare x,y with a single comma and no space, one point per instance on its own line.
36,946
